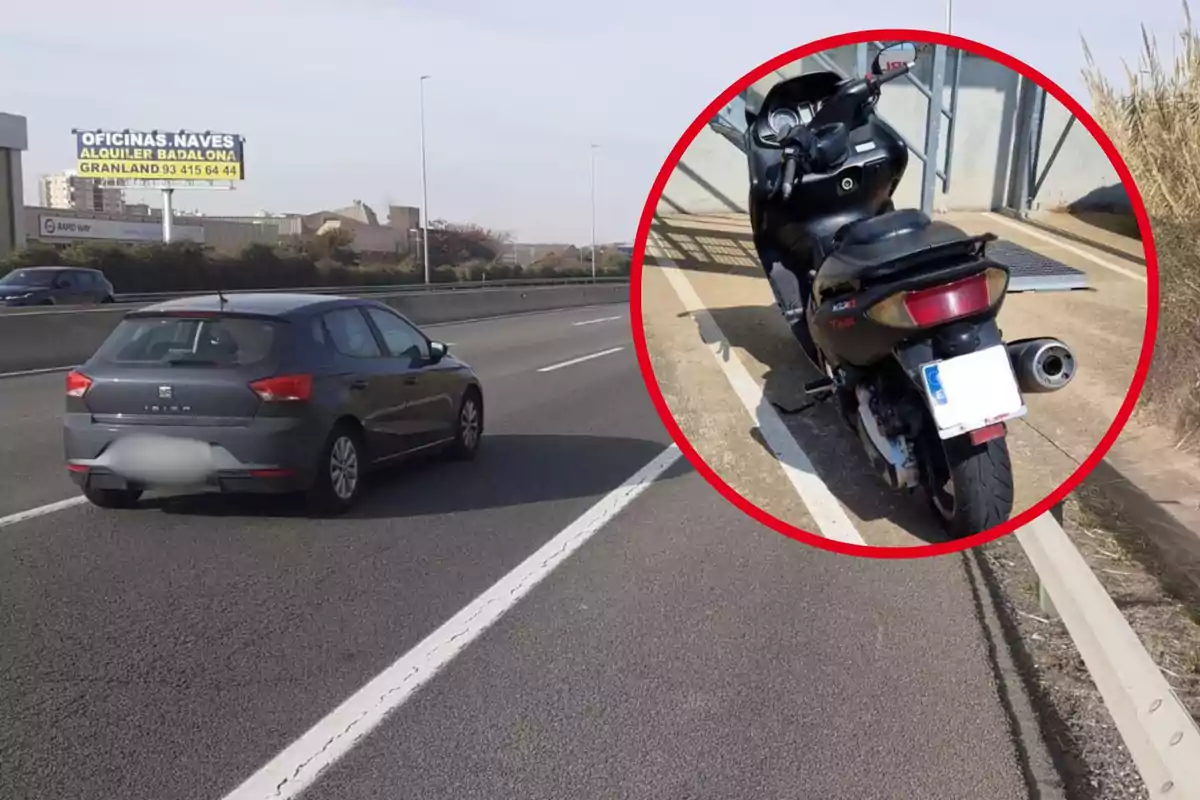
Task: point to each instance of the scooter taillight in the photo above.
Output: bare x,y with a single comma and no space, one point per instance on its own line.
937,305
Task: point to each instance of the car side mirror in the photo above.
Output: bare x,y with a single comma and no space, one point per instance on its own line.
438,351
893,55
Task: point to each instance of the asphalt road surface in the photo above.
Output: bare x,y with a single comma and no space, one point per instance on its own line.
173,651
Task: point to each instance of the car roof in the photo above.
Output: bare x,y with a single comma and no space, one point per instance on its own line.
270,303
42,269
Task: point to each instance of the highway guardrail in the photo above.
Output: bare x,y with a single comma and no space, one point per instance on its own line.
1158,730
398,288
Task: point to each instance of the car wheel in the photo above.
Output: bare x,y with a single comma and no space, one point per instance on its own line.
339,472
113,498
468,433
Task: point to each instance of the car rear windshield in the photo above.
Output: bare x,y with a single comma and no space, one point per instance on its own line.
190,341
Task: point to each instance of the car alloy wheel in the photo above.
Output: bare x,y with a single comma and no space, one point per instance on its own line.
469,423
343,467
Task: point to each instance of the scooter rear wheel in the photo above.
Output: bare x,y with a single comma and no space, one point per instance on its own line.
970,487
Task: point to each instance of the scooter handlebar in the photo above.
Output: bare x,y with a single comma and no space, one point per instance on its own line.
891,74
800,137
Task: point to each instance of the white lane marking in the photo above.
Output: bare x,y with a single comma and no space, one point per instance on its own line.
41,511
301,762
1059,243
473,320
594,321
581,359
40,371
516,315
826,511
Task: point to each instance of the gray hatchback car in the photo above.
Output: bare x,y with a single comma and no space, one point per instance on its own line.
267,392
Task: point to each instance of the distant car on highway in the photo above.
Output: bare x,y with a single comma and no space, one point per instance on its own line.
46,286
263,392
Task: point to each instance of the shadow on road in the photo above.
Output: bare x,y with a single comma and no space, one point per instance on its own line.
510,470
832,447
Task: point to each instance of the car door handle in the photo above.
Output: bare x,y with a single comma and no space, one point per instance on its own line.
360,383
410,380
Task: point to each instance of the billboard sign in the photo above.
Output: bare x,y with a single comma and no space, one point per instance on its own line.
52,227
159,158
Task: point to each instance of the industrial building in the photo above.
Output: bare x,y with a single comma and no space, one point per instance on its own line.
228,235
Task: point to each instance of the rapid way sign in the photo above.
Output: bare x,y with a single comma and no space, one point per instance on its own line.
52,228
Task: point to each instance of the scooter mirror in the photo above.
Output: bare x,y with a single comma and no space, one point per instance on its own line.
893,55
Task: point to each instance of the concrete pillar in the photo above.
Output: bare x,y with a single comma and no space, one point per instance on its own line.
14,138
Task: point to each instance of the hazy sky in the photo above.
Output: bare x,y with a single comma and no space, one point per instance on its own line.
326,93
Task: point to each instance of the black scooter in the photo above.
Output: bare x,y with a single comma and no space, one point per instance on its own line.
897,311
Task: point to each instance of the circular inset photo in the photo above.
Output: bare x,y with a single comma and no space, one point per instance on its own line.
886,295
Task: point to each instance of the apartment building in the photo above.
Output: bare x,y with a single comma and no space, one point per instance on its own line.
66,190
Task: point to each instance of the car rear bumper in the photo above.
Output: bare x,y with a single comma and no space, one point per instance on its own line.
226,482
269,455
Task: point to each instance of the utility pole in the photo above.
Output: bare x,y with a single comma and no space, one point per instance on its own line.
424,186
592,152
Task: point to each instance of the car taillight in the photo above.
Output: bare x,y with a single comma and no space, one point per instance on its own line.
925,308
284,388
77,384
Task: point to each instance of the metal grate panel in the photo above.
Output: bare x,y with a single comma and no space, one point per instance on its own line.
1031,271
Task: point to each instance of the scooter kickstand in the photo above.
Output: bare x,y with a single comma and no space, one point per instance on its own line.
820,389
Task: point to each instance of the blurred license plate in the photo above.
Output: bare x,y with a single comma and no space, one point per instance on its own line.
161,459
972,391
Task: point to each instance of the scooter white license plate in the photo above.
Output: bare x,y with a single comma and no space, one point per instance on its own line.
972,391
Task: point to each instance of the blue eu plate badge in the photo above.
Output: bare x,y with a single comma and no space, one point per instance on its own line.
934,381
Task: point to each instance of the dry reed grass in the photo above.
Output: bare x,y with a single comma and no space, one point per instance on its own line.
1154,121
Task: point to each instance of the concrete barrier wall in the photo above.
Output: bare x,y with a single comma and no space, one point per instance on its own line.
64,338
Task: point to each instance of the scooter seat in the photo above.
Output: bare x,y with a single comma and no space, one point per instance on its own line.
877,248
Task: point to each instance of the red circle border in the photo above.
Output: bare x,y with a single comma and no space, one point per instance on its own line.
643,355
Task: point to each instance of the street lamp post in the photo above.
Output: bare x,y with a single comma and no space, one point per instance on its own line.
592,153
424,187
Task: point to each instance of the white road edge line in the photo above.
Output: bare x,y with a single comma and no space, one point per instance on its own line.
827,512
41,511
1070,248
300,763
594,321
581,359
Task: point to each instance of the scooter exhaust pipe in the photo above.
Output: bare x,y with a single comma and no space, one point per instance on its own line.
1041,365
